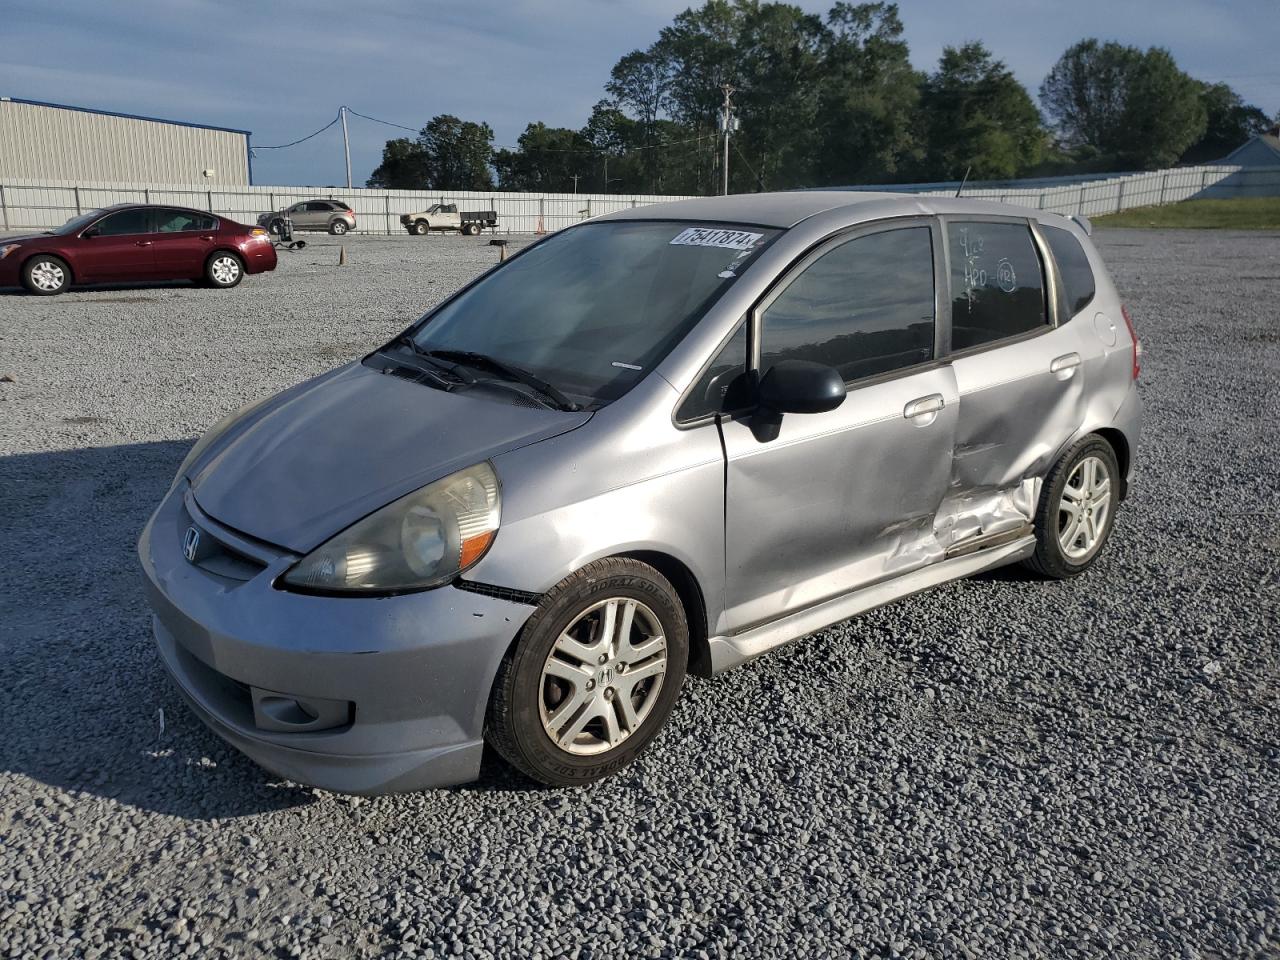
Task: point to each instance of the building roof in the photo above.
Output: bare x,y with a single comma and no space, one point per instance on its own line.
127,116
1270,140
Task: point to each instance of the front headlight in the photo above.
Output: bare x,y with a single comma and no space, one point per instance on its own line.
8,248
422,540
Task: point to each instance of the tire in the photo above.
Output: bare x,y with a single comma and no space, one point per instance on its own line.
570,621
223,270
45,275
421,228
1087,474
470,230
338,227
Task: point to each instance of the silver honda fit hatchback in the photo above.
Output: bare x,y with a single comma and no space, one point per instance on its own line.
663,441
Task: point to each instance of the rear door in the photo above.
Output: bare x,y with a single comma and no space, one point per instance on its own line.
841,499
183,240
1020,375
120,246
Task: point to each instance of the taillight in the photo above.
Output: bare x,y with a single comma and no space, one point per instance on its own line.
257,232
1137,344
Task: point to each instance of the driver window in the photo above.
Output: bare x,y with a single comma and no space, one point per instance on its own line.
124,223
865,307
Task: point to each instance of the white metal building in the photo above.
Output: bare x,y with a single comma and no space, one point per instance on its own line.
50,141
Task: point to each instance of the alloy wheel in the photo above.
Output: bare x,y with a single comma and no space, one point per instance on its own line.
602,678
1084,509
225,270
48,276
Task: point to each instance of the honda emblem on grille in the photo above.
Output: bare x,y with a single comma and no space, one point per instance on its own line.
191,544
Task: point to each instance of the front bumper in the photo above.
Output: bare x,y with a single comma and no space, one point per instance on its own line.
410,675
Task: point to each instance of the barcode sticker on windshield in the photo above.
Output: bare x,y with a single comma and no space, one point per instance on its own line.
714,237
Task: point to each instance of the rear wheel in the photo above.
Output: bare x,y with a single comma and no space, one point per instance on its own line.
470,229
593,676
338,228
421,228
1077,510
223,270
44,275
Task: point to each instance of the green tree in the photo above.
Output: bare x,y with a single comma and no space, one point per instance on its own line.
1135,109
1229,123
547,159
867,97
448,154
458,154
976,116
403,166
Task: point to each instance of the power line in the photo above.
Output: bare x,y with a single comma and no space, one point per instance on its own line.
304,139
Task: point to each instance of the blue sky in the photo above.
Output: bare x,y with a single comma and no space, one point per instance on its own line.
280,68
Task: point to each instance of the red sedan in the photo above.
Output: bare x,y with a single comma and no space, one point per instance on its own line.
130,242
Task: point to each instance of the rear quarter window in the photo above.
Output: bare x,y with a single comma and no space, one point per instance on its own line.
1073,267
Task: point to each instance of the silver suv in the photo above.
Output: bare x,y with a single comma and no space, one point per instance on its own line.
332,216
667,440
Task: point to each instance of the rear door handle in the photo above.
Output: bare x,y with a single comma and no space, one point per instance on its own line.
1064,367
143,243
924,409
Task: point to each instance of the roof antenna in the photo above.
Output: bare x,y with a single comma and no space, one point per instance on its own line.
965,180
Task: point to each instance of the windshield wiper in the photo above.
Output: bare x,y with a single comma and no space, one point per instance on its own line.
507,370
452,369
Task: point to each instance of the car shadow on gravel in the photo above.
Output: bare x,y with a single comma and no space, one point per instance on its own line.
88,707
106,288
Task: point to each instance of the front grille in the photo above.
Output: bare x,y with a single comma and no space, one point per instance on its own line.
219,558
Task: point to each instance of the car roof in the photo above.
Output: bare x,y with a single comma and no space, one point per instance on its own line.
790,208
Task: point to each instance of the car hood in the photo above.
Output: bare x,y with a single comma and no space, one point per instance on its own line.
342,447
5,241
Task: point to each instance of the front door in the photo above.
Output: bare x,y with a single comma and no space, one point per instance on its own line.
1021,378
117,247
841,499
182,242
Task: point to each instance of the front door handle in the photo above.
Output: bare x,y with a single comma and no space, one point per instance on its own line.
1064,367
924,410
142,243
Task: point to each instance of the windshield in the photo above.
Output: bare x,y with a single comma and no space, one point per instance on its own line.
594,308
76,224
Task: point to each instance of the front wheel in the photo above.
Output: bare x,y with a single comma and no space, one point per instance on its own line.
223,270
594,675
338,228
45,275
1077,510
421,228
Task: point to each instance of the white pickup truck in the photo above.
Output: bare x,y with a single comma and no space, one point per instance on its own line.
445,216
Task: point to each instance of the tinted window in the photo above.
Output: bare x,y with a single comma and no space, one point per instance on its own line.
711,393
176,221
318,205
1073,267
866,307
997,287
124,222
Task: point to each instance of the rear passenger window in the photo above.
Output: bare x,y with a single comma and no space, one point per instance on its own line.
866,307
1073,267
997,285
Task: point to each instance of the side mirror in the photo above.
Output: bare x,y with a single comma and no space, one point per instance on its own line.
800,386
89,234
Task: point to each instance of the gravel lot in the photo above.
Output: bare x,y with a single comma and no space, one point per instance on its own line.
1003,767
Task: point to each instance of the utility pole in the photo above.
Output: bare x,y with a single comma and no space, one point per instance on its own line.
576,178
346,143
726,124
